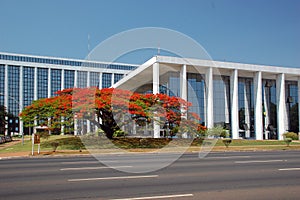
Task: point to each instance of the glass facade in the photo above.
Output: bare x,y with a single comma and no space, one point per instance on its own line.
42,83
292,105
106,80
55,81
246,107
2,84
81,79
117,77
221,102
54,61
94,79
69,78
28,85
196,95
13,90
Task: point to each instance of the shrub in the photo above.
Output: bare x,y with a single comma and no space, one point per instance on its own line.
227,142
288,141
292,135
217,131
54,145
119,133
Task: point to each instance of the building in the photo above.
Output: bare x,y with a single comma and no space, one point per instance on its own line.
24,78
251,101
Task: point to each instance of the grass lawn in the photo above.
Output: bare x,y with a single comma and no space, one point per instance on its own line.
69,144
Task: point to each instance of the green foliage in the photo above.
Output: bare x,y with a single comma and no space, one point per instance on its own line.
217,131
292,135
288,141
54,145
72,143
119,133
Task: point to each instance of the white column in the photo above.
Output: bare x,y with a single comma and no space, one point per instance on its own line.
49,82
299,105
88,79
183,92
6,94
226,102
258,123
156,126
112,78
183,83
247,108
234,104
281,109
35,84
88,122
100,80
209,98
21,99
75,79
49,94
62,79
62,128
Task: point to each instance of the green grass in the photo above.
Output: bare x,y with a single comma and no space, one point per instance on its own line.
75,143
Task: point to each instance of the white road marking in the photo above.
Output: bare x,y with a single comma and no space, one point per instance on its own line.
84,162
289,169
158,197
112,178
89,168
226,157
258,161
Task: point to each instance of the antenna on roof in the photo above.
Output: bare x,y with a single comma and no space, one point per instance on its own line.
158,49
88,46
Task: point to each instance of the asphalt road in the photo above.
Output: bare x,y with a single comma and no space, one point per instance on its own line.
243,175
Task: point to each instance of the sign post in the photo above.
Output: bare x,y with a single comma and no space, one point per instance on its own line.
35,140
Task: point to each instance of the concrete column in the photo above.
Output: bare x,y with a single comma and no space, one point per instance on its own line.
247,109
258,123
183,92
112,78
183,83
49,82
209,97
281,109
234,104
49,94
6,94
226,102
62,128
88,122
21,97
88,79
75,79
62,79
35,85
156,126
100,80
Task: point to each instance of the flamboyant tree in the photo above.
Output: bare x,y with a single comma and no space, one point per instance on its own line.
107,107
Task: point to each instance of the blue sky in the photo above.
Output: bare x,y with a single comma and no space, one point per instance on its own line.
249,31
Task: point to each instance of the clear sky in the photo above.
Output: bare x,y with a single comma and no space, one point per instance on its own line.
249,31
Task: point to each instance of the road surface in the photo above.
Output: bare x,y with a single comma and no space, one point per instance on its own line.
229,175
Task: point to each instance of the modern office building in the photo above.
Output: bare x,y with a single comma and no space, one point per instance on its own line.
251,101
24,78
